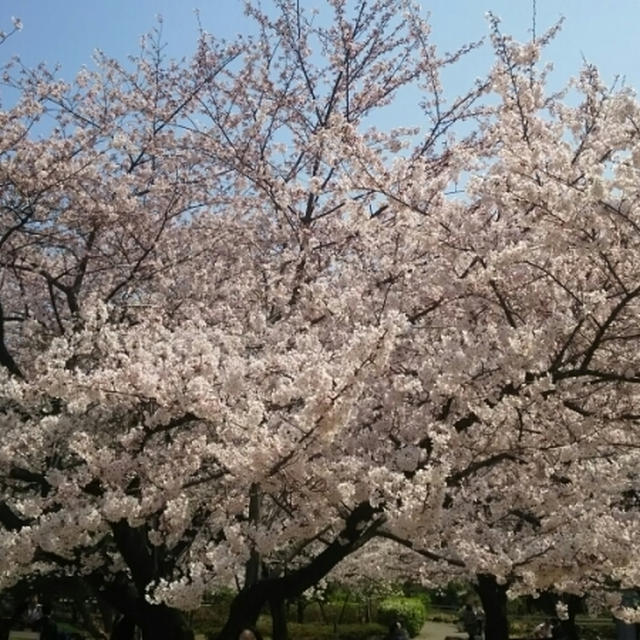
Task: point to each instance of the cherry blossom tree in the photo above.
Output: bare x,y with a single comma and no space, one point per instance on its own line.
244,331
182,339
522,513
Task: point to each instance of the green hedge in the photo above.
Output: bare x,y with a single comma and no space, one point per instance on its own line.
351,612
410,611
413,590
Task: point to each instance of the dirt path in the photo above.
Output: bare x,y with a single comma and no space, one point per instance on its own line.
439,631
430,631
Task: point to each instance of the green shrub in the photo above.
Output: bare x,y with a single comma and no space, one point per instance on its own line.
334,612
454,594
414,590
208,617
213,612
410,611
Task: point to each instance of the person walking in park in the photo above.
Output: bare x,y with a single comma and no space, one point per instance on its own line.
397,632
47,627
33,613
471,622
544,630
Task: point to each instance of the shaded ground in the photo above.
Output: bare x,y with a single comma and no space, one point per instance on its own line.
439,631
430,631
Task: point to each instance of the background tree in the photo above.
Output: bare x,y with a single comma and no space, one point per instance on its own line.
165,248
521,511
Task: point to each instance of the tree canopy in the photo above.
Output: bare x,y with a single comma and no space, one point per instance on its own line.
244,330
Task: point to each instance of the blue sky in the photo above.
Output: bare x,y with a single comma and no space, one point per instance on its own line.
67,31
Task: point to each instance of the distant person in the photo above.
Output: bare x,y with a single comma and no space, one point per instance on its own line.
544,630
33,613
47,627
479,623
470,621
397,632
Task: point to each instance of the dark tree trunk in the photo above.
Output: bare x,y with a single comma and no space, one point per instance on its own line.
107,613
278,619
494,602
323,613
123,629
252,569
300,606
573,606
360,526
160,621
244,611
154,621
126,594
343,608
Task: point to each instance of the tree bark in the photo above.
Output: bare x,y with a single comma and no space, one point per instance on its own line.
360,526
573,607
494,602
252,570
155,621
279,629
300,607
323,612
160,621
123,629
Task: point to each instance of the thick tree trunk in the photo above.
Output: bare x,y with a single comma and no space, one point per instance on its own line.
278,619
252,569
300,606
494,602
571,628
360,526
155,621
123,629
243,613
127,596
160,621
